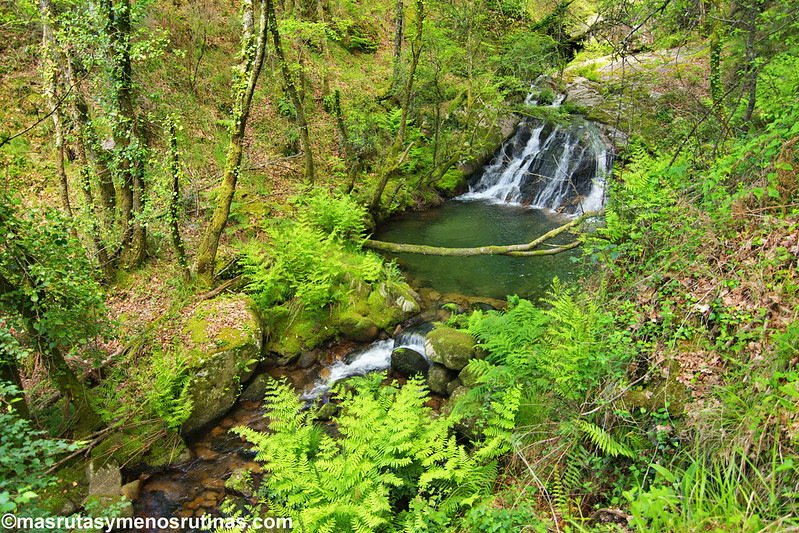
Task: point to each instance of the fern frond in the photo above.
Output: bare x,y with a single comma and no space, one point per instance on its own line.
604,440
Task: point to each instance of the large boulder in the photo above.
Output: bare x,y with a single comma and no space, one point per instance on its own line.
224,340
449,347
408,362
367,309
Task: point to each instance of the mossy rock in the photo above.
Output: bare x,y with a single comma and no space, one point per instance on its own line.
439,377
291,333
392,302
367,309
67,495
224,343
668,394
468,376
449,347
408,362
467,426
358,327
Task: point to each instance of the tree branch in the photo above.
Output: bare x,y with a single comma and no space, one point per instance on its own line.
524,250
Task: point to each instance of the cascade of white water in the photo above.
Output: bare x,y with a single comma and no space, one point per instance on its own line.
504,175
375,358
565,171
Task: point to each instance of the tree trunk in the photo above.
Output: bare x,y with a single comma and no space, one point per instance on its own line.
353,165
522,250
90,144
9,372
751,60
52,46
128,144
302,123
174,169
392,162
51,73
399,31
243,88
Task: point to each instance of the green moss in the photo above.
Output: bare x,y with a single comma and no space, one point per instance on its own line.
451,181
129,448
450,347
70,487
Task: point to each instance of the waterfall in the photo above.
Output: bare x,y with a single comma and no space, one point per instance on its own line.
375,358
557,167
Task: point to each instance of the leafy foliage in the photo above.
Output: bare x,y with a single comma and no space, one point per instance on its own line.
25,457
392,457
313,259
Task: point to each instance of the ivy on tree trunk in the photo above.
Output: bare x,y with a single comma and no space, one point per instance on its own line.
252,55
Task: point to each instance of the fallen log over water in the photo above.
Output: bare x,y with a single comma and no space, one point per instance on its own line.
524,250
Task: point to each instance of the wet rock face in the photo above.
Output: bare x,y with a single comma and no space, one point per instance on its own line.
224,338
408,362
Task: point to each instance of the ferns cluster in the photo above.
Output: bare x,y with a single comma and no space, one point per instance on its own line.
158,393
392,465
563,348
311,259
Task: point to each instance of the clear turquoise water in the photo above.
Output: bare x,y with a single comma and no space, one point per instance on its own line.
478,223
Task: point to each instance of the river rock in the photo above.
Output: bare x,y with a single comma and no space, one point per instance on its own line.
256,390
326,412
240,483
224,340
438,377
367,311
408,362
105,488
450,347
468,377
308,359
358,327
453,385
466,426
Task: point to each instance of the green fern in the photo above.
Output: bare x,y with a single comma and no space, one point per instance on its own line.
391,450
604,440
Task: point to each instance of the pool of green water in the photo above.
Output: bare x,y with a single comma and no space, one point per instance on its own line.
461,223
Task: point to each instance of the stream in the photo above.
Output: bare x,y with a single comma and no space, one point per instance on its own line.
543,175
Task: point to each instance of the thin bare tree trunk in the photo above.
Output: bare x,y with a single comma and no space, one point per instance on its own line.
399,31
90,144
302,123
52,72
252,56
392,160
127,143
47,13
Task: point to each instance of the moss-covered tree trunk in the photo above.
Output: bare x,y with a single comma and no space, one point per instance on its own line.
520,250
174,169
288,80
129,145
393,160
252,55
